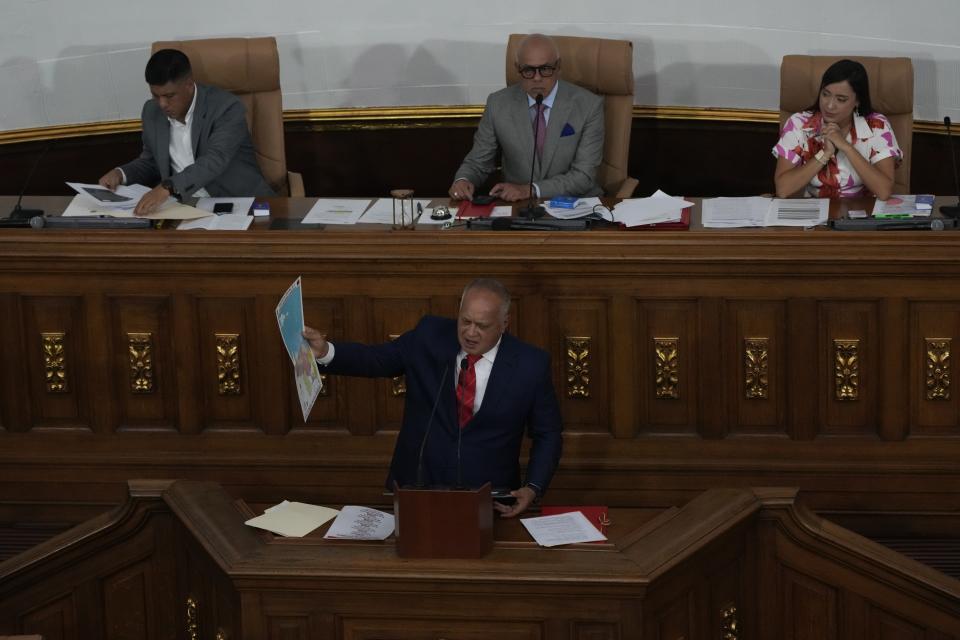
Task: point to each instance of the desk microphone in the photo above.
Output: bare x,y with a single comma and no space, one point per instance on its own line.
19,213
952,211
533,210
426,434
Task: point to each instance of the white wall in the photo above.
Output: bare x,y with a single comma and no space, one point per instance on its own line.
72,61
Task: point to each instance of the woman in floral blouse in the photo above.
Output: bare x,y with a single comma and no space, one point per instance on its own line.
837,148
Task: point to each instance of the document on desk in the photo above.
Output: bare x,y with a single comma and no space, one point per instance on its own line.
124,198
731,213
565,528
361,523
306,373
381,211
227,222
798,212
581,208
84,206
293,519
335,211
660,207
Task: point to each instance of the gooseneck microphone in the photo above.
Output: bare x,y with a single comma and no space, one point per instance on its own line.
426,434
19,213
952,211
533,210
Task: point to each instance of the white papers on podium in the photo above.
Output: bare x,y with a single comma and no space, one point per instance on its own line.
335,211
564,528
361,523
658,208
226,222
582,208
757,211
292,519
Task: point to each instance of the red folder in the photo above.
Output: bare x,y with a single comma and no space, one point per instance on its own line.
467,209
681,225
596,515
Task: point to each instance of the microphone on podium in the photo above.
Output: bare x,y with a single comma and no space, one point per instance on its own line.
533,210
952,211
426,434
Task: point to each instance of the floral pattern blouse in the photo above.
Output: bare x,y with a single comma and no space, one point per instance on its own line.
800,142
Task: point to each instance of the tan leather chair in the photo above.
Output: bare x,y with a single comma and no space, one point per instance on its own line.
891,93
606,68
250,69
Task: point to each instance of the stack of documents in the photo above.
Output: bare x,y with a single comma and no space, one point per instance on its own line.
729,213
292,519
92,200
361,523
336,211
903,206
658,208
228,222
582,208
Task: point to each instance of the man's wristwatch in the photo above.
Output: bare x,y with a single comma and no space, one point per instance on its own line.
168,185
821,157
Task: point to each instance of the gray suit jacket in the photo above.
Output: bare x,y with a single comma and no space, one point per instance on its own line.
571,153
225,163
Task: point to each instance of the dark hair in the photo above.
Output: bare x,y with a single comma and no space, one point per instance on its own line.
167,65
852,72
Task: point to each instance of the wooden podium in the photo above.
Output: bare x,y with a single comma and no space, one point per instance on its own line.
443,523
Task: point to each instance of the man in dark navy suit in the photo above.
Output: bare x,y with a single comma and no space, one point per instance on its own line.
490,389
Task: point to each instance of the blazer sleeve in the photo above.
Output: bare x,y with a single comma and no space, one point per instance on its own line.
581,177
545,429
227,132
481,160
144,169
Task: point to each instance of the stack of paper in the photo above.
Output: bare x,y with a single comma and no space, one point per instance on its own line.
361,523
729,213
582,208
228,222
566,528
292,519
335,211
658,208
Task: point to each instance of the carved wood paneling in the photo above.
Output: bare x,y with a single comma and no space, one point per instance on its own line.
937,366
677,619
229,351
56,620
578,334
935,409
884,625
849,357
809,607
53,346
667,366
126,602
142,369
755,370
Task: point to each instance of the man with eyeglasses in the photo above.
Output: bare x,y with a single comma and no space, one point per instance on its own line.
568,146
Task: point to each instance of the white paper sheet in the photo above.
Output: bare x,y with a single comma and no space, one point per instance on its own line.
292,519
502,211
125,197
336,211
361,523
660,207
582,208
227,222
381,211
798,212
564,528
728,213
85,206
240,205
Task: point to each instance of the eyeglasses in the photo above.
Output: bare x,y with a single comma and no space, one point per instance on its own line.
545,70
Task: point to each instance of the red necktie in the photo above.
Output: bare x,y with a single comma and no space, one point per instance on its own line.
541,125
467,390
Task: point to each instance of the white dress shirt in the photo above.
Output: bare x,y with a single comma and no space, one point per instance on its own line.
181,146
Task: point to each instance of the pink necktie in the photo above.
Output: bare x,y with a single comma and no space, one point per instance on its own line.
541,126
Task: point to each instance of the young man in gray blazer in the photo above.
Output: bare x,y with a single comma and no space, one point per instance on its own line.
195,140
569,150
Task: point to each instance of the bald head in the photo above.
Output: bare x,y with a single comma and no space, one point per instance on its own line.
539,58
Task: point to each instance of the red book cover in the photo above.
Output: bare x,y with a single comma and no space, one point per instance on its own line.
596,515
467,209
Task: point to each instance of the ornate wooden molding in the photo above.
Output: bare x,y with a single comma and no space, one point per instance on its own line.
755,369
846,358
398,386
140,352
228,364
193,619
578,366
937,352
666,363
54,362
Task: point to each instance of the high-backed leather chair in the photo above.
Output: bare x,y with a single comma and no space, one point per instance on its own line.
891,93
250,69
606,68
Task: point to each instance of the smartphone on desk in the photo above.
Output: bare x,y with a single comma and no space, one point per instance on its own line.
503,497
482,201
221,208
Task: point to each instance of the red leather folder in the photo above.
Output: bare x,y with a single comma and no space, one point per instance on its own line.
467,209
681,225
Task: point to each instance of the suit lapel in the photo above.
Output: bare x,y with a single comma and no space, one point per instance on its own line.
500,377
524,127
448,397
199,117
162,136
559,116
